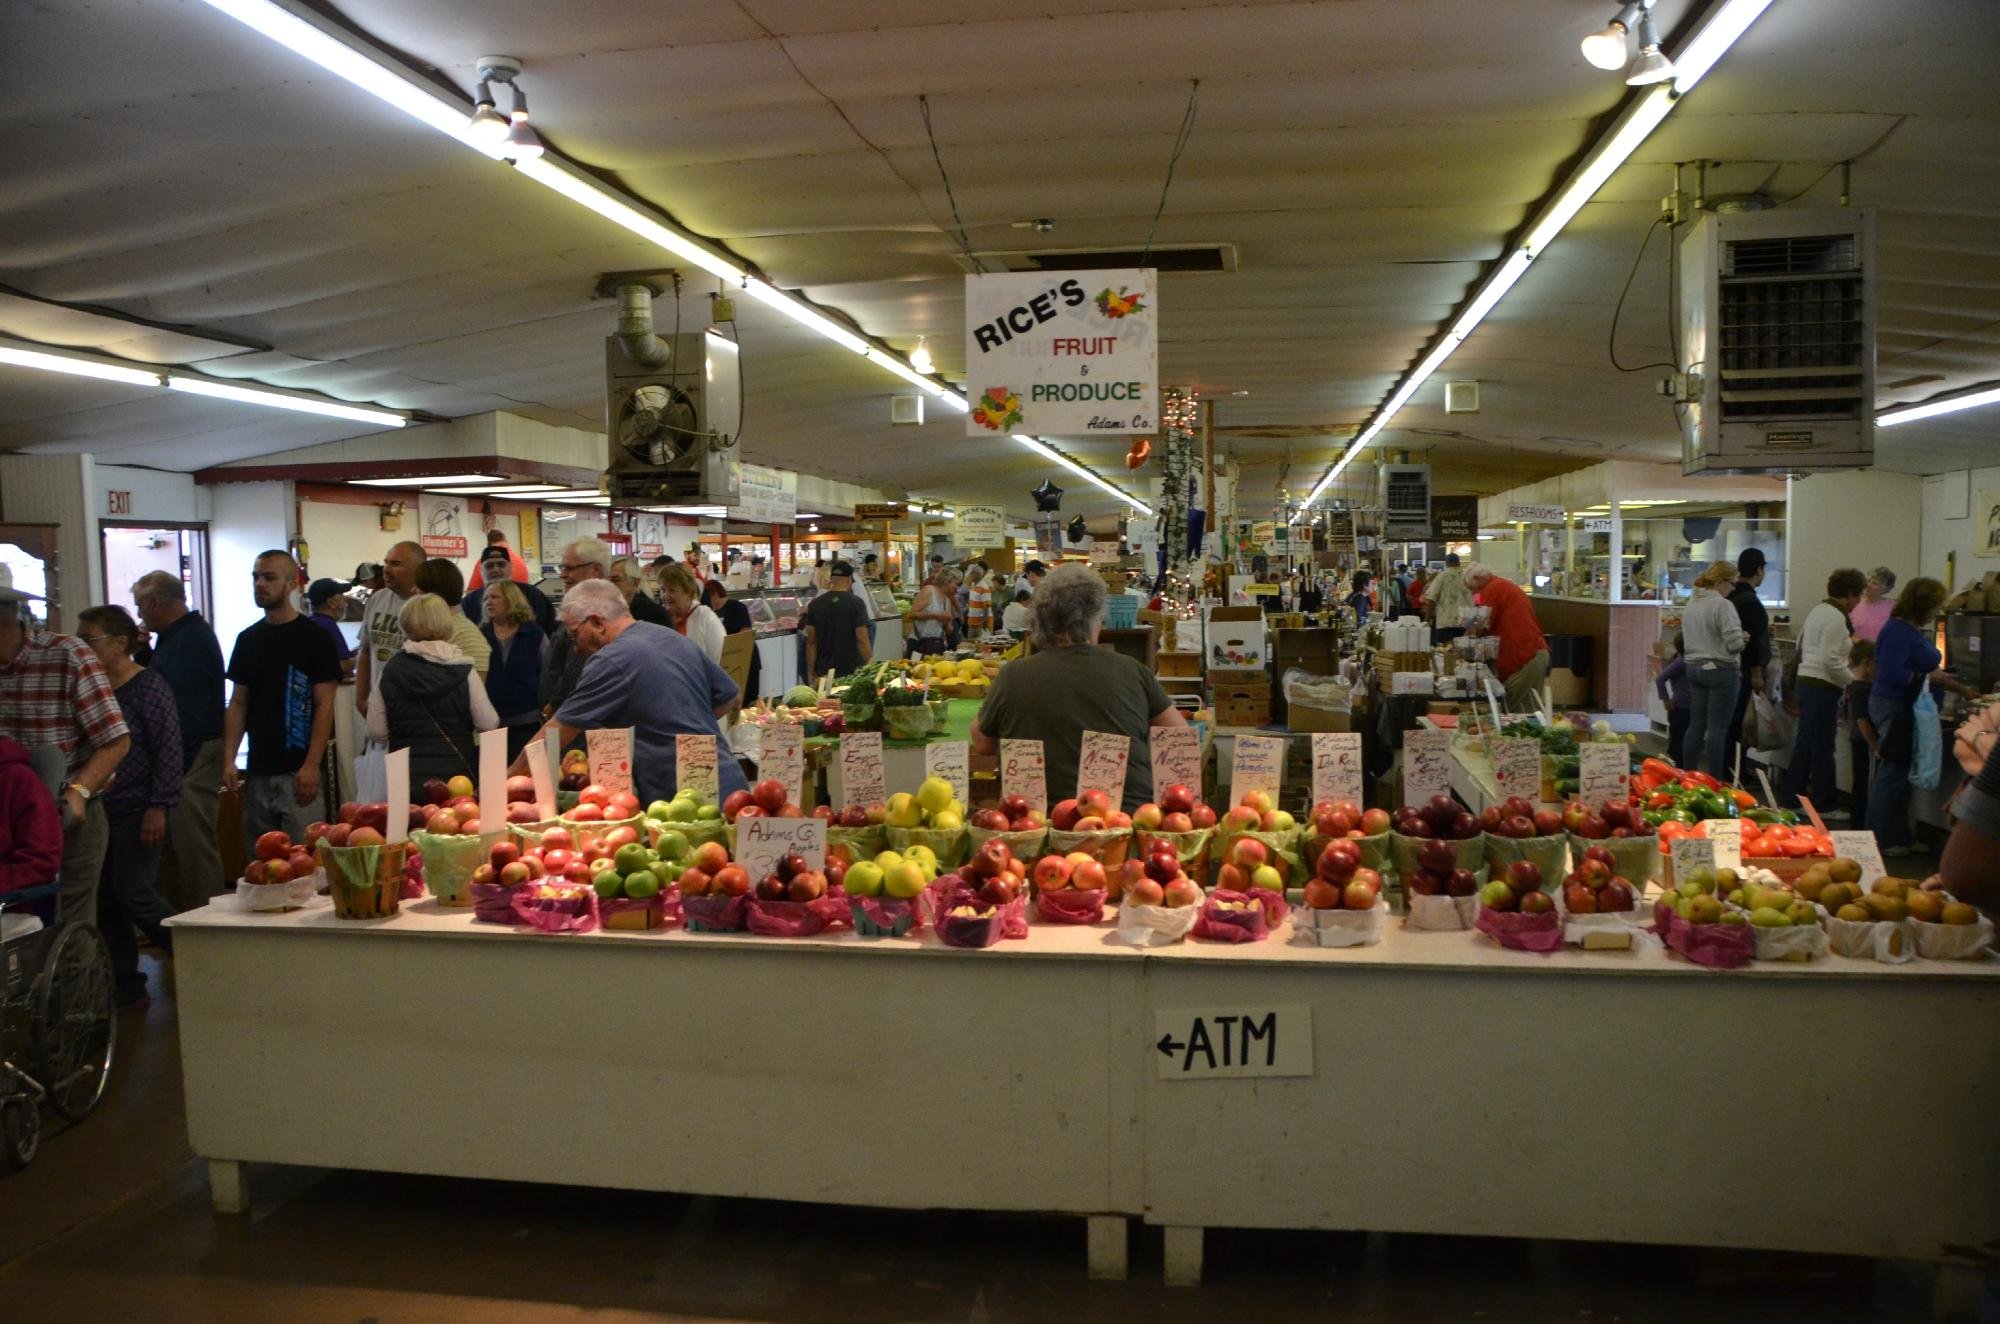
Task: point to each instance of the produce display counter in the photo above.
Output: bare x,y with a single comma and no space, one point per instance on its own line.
1451,1086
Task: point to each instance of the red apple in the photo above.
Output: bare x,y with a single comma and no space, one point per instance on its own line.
1440,857
434,791
1322,895
594,794
1064,815
997,890
520,788
622,804
1360,894
792,866
350,813
770,793
1603,856
1146,892
1338,861
772,888
586,813
1547,822
365,836
695,882
1615,895
1202,816
1520,825
1425,883
1087,876
1177,799
1375,822
515,874
1014,806
1051,873
273,846
299,865
505,851
731,879
1537,903
1524,876
1491,818
1182,892
1463,882
1579,900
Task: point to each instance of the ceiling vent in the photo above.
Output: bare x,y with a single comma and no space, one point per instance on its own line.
1181,258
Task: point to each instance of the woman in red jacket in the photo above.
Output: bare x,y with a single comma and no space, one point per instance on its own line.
31,839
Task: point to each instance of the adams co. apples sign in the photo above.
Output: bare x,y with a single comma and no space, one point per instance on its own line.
1064,353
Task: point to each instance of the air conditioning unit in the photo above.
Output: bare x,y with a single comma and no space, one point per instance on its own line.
1406,502
1778,341
672,430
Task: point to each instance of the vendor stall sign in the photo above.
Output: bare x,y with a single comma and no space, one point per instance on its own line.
1207,1043
1517,768
874,511
978,527
767,496
1176,757
543,771
610,752
695,765
1426,765
441,526
782,758
1524,514
1862,848
1603,771
1024,772
649,535
1258,765
862,780
950,761
1337,772
761,842
1101,764
1454,518
1072,354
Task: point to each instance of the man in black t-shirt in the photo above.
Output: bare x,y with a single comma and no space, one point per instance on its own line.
284,671
837,627
1756,657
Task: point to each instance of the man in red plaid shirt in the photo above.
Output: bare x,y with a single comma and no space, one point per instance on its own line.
53,691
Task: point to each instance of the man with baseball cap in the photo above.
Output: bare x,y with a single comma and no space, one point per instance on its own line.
326,599
837,626
53,691
495,567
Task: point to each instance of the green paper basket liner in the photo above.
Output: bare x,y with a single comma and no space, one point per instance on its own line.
1284,847
353,866
1403,852
1030,845
1549,854
450,861
1190,847
1110,847
1638,857
865,842
951,846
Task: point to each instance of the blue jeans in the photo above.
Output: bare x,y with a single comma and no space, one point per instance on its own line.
1711,703
1812,770
1889,790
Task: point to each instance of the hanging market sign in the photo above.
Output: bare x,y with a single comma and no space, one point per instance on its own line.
1070,355
1455,518
767,496
882,510
649,536
1518,514
979,527
442,526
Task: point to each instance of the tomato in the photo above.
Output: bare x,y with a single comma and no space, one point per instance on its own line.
1775,831
1759,848
1672,831
1797,848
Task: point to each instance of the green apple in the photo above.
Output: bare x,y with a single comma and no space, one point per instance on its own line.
659,811
680,811
632,859
864,879
707,814
905,880
608,884
671,845
641,885
935,795
666,871
903,811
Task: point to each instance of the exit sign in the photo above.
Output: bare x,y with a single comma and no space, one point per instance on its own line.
117,502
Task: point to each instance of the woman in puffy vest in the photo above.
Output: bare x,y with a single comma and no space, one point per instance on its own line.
429,700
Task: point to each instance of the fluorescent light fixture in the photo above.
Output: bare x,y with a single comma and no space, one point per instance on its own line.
920,357
1048,452
1494,290
699,512
1640,120
576,492
77,366
599,500
1713,41
931,386
799,311
264,395
425,480
1975,398
586,192
503,489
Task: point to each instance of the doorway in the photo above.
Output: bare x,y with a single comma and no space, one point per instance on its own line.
133,550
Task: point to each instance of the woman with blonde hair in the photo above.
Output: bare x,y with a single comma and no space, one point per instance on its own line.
432,703
1713,637
513,682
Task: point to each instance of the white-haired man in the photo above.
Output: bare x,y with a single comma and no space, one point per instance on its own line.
644,676
585,559
1523,663
187,655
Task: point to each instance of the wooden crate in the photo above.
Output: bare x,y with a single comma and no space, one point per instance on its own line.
1178,665
1240,699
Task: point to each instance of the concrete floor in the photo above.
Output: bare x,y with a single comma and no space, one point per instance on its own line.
112,1223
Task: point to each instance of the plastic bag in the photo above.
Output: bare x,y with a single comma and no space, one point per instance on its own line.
949,845
1440,914
292,894
1340,928
371,774
1549,854
1228,916
1110,847
1154,926
449,863
1070,906
884,916
1891,942
784,919
1606,930
1524,933
1717,946
1793,942
1953,942
714,914
1636,859
1927,748
575,911
494,903
1028,845
1191,848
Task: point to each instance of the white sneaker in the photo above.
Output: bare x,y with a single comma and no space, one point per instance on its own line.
1897,852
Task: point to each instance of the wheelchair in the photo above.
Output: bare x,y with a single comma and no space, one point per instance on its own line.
57,1027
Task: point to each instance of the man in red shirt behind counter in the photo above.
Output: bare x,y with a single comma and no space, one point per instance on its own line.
1523,664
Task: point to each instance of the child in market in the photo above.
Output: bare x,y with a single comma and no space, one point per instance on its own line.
1861,733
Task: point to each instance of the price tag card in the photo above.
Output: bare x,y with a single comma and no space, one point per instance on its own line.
1101,764
951,760
610,751
1692,853
784,758
543,771
1337,773
493,779
862,780
1426,765
761,842
1024,772
694,764
1862,848
398,825
1604,772
1259,765
1517,767
1726,835
1176,755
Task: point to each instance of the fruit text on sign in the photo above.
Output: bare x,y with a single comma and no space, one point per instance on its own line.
952,761
1726,835
1176,755
1024,772
762,842
1071,353
862,779
1426,765
1517,768
1259,765
783,758
610,750
1203,1043
399,796
1101,764
1692,854
493,776
1337,773
1862,848
1604,771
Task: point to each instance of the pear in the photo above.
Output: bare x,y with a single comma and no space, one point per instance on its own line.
1882,906
1925,906
1853,913
1813,883
1958,912
1737,898
1895,887
1766,917
1802,913
1843,870
1733,917
1725,880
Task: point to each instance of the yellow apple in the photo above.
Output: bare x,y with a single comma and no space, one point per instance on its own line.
934,795
904,880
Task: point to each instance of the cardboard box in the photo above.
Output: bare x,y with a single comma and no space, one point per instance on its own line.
1567,689
1315,652
1305,717
1179,665
1412,682
1240,700
1236,639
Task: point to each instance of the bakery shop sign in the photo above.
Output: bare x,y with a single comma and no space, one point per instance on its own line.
1063,354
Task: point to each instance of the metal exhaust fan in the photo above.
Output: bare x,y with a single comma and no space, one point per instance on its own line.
671,410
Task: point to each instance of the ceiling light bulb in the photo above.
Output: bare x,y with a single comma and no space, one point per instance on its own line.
1651,66
1605,48
523,143
487,125
920,357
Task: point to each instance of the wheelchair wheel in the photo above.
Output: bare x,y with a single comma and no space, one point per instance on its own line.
20,1133
75,1030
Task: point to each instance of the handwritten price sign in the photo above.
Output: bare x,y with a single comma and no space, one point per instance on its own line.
762,842
1862,848
694,763
1426,765
1604,772
1517,768
1726,835
862,779
1692,854
610,750
1337,773
783,758
1176,755
952,761
1024,771
1101,764
1259,765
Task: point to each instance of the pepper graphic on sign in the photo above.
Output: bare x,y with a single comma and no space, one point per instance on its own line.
1122,304
998,409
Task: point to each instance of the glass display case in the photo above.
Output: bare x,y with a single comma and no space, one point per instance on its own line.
1657,559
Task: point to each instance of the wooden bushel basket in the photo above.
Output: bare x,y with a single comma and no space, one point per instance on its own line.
377,900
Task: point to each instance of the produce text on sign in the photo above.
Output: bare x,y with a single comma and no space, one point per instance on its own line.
694,764
1204,1043
782,757
1691,854
1101,764
1337,771
1604,771
762,842
610,750
1517,767
1069,354
1426,765
1726,835
1024,772
862,779
1259,765
1176,755
952,761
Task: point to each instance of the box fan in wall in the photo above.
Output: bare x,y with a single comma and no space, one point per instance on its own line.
1778,341
672,430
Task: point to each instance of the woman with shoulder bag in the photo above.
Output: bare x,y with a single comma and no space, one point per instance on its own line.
1713,636
1907,663
432,703
930,617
